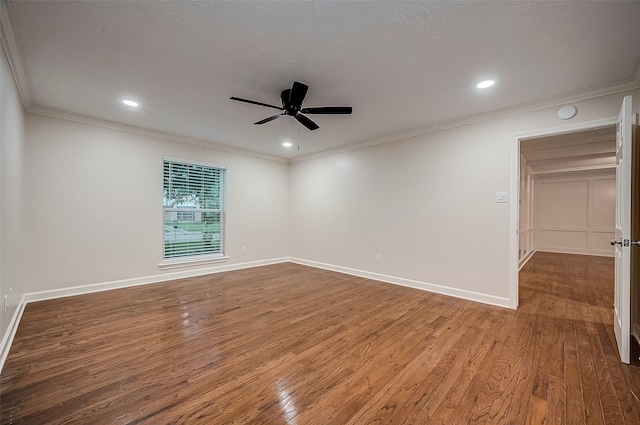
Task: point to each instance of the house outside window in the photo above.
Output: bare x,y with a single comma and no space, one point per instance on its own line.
193,210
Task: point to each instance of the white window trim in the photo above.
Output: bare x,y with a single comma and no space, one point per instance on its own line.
194,162
174,263
189,261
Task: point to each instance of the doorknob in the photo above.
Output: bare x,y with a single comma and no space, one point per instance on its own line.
624,242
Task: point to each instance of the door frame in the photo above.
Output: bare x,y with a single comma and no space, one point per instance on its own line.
514,207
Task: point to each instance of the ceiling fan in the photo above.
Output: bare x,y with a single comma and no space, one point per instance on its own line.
292,105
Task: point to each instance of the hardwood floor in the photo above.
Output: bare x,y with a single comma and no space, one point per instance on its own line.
288,344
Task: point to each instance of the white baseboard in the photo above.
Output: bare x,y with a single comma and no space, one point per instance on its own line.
429,287
125,283
526,259
7,339
575,251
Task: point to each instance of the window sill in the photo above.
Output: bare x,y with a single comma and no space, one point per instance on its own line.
188,262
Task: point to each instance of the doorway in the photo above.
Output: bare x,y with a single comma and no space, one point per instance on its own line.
626,212
574,152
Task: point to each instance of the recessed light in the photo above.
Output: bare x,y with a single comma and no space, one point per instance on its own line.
287,144
131,103
485,84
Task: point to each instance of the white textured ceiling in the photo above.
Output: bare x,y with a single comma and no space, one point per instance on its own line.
400,65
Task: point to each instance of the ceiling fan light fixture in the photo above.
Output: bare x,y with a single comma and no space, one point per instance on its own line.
485,84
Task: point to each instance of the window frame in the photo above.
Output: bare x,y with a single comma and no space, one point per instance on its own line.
189,260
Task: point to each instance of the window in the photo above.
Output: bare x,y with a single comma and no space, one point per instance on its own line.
193,210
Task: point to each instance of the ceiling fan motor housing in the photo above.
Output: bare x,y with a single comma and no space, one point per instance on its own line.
289,109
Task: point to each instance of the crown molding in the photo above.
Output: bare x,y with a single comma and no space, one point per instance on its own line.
70,116
432,128
636,73
11,49
523,108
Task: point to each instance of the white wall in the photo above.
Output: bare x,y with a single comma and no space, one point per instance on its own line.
409,201
11,195
426,203
575,214
93,203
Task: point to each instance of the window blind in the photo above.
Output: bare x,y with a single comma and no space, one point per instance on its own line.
193,210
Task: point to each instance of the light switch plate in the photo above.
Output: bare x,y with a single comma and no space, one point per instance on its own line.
502,197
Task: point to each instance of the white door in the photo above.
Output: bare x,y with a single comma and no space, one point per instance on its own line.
622,297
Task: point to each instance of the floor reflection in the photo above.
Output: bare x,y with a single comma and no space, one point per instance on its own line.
286,402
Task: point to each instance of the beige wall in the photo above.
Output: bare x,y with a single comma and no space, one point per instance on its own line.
575,214
93,200
11,195
426,203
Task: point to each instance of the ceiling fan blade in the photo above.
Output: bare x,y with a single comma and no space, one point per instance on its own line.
306,122
327,110
298,92
253,102
275,117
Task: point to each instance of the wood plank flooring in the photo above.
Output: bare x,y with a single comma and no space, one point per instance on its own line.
288,344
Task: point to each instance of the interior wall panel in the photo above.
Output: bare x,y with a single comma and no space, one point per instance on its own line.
604,205
562,204
575,214
525,217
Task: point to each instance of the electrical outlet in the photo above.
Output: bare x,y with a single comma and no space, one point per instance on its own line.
378,258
